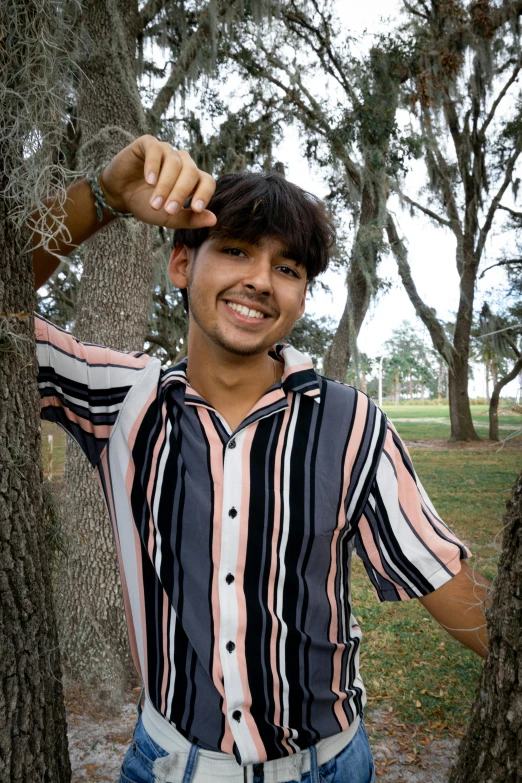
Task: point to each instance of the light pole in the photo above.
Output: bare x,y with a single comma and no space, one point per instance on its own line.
380,381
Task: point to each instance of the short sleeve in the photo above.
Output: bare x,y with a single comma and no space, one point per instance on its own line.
406,548
82,386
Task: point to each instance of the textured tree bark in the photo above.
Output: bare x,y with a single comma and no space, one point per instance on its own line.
379,112
462,427
33,739
491,751
113,301
493,404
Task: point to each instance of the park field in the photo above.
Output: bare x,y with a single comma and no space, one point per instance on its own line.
408,662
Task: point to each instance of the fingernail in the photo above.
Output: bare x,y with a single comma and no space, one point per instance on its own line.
172,207
151,179
198,206
158,201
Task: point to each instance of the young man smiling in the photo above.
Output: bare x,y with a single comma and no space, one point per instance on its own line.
238,483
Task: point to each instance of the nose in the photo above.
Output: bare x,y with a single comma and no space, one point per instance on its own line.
258,277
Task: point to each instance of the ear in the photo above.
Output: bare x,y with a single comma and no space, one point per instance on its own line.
178,266
303,302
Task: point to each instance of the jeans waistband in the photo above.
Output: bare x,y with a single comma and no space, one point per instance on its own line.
212,766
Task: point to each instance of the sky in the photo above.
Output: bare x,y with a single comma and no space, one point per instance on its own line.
431,249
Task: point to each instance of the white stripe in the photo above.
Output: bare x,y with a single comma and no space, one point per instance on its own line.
170,695
227,594
157,493
367,465
282,571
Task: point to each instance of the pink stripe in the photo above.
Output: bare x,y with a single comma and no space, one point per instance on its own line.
267,399
411,503
351,454
278,488
216,469
100,431
291,369
150,486
92,354
104,468
240,593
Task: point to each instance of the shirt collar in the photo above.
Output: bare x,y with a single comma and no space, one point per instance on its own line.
298,376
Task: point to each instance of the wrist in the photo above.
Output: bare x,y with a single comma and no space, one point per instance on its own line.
112,200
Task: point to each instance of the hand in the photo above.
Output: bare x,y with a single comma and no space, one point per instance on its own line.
153,180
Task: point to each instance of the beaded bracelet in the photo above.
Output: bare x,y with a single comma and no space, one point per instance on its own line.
101,203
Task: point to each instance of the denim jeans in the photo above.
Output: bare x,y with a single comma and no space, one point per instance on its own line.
354,764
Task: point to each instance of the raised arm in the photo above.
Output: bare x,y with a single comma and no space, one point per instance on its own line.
148,178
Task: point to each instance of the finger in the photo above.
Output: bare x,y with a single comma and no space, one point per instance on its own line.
204,192
153,152
171,168
184,186
187,218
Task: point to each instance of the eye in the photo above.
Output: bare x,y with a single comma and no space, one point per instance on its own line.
233,251
288,270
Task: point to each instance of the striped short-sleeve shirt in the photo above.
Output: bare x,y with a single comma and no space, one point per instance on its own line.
235,547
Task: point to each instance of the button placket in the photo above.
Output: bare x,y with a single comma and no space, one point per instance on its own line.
230,530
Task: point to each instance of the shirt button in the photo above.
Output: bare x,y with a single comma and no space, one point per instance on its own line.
232,444
236,715
231,646
229,578
232,513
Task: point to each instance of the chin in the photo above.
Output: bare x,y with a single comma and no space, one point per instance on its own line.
240,348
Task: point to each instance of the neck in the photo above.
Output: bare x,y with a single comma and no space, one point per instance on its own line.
222,377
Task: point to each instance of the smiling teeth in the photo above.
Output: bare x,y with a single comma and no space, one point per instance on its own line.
245,311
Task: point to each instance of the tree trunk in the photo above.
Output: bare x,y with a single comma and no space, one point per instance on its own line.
397,388
491,751
462,427
364,382
113,301
378,113
493,405
439,388
486,362
360,283
494,371
33,739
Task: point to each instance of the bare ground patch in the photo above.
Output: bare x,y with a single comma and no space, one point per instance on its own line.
403,753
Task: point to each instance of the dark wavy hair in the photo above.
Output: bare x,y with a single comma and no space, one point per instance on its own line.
252,207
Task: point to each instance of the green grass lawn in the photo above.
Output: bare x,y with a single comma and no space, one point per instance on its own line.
406,658
421,428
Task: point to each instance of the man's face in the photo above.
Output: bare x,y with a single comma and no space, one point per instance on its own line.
225,276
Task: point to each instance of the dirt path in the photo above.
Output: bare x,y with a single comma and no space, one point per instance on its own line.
403,754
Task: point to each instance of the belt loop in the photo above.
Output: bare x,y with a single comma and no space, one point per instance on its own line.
138,705
314,768
191,764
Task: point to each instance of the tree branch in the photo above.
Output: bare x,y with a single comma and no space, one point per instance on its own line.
512,212
443,172
499,98
484,231
501,263
426,210
188,55
415,11
149,12
425,313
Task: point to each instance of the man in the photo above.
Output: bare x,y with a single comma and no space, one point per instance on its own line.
238,483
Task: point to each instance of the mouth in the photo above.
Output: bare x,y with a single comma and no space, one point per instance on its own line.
245,314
